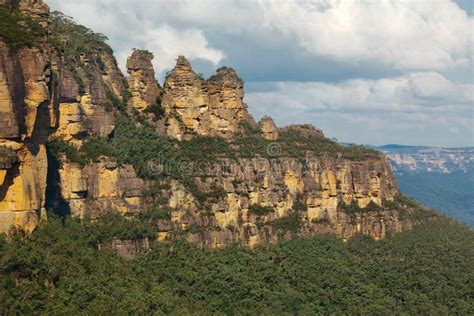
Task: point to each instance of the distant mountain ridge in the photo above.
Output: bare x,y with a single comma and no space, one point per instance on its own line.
413,158
439,177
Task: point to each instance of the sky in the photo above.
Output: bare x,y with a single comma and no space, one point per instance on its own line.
366,72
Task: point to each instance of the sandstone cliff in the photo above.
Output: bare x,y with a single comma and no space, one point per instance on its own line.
144,88
212,107
39,97
26,117
242,182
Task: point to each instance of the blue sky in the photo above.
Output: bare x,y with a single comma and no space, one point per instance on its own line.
371,72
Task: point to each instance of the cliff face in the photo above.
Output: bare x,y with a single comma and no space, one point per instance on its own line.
50,94
306,191
26,116
194,106
99,188
39,98
144,88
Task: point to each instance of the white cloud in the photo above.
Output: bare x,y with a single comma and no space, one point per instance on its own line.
129,27
422,91
420,108
401,35
167,43
405,35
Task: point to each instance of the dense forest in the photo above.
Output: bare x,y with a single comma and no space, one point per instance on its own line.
450,193
59,270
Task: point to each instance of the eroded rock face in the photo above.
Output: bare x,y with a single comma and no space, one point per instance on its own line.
268,128
11,94
312,188
99,188
144,88
8,4
33,8
24,124
128,249
85,111
40,98
185,101
194,106
227,109
23,188
80,120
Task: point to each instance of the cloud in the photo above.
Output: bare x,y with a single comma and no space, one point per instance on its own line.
167,43
420,91
365,71
398,35
406,35
418,108
132,25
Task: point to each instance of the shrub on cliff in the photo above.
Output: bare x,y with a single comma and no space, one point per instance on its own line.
114,102
19,31
260,210
299,204
156,109
295,143
7,156
90,151
291,223
58,147
352,208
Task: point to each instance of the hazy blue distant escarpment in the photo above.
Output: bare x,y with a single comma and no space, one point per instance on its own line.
441,178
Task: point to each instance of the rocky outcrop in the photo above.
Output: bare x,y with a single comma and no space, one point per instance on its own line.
227,109
127,248
144,88
98,189
185,102
268,128
194,106
33,8
25,121
310,189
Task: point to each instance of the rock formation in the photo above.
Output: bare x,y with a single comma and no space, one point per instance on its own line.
144,88
25,118
227,109
194,106
268,128
45,96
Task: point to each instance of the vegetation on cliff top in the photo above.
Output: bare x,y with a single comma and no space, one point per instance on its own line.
295,142
58,270
74,39
17,30
83,52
